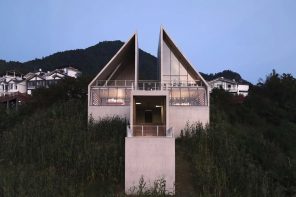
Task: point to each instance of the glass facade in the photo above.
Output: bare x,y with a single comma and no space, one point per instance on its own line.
187,96
110,96
173,69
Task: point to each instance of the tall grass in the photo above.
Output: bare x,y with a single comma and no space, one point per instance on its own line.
55,153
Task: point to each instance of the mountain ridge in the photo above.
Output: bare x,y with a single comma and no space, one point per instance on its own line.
91,60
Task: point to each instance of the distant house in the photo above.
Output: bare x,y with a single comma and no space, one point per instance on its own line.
71,72
45,79
230,86
12,82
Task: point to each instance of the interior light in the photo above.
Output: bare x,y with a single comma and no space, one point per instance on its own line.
158,106
138,103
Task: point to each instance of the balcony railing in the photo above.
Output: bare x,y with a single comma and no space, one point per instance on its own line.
149,130
157,85
146,84
117,92
114,83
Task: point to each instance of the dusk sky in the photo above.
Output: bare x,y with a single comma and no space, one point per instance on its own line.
251,37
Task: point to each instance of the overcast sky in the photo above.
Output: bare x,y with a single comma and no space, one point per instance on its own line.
247,36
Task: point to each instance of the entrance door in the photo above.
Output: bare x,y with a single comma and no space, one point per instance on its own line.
148,116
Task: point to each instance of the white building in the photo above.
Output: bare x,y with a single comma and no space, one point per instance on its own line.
12,82
45,79
157,110
71,72
230,86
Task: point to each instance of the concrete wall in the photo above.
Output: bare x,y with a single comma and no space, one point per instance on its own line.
179,115
98,112
150,157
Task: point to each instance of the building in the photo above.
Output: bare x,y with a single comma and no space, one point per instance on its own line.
12,82
230,86
71,72
45,79
157,109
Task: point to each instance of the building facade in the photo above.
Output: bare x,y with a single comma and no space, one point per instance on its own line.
177,96
12,82
45,79
157,109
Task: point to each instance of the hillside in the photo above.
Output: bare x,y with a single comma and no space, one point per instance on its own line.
248,149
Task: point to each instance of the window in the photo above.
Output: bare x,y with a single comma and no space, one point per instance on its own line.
184,96
110,96
173,69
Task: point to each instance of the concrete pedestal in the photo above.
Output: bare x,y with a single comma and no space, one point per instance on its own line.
150,157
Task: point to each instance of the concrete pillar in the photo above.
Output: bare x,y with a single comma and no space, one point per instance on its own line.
152,158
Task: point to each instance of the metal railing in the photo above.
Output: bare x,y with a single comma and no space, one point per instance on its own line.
146,84
149,130
114,83
157,85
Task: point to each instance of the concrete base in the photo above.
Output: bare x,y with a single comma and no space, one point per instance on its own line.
150,157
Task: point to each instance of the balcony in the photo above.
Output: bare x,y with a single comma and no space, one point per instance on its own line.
149,131
113,83
117,92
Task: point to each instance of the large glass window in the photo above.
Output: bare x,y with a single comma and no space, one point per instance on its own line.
184,96
174,65
166,60
110,96
173,70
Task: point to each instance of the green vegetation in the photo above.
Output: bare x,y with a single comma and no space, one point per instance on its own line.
249,148
50,150
47,148
53,153
157,189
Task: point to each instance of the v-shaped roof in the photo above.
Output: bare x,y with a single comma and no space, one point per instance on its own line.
131,46
164,37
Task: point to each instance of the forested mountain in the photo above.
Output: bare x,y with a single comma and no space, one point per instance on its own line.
92,59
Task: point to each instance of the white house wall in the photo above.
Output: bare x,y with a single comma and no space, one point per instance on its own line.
22,87
243,89
71,73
